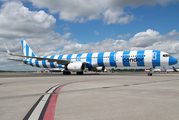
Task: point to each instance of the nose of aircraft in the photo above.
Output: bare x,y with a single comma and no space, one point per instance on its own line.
172,61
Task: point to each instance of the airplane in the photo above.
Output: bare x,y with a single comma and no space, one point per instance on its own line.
146,70
174,69
164,69
96,61
156,70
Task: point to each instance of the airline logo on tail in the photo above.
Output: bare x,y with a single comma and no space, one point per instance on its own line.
26,49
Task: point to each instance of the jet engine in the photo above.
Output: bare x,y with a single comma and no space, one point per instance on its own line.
75,66
97,69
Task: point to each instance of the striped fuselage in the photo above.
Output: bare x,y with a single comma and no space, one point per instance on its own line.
142,58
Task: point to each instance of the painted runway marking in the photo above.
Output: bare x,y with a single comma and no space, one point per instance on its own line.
44,108
37,111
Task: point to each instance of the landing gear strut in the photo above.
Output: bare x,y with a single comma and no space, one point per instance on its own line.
150,72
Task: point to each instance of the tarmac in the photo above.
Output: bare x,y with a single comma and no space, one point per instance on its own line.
92,96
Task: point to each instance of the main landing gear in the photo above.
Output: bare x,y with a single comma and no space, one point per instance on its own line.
66,73
69,73
79,73
150,72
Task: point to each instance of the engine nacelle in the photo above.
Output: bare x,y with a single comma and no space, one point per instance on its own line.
97,69
75,66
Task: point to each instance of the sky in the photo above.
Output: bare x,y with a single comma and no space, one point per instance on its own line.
54,27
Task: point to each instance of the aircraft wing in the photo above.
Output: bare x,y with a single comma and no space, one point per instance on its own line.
59,61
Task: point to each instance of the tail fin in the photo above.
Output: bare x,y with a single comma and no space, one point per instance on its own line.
26,49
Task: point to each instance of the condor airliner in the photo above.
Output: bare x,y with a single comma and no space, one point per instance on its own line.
96,61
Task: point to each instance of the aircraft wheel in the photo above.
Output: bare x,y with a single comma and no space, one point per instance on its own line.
149,74
67,73
79,73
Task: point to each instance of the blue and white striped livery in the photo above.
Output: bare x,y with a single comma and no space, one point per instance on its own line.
97,61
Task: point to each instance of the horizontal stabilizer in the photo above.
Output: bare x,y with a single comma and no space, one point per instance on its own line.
16,60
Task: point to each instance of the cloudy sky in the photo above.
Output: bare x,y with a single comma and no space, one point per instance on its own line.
53,27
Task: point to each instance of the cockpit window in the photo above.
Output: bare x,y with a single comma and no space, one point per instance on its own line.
166,55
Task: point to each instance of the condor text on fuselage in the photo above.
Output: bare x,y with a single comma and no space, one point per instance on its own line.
133,59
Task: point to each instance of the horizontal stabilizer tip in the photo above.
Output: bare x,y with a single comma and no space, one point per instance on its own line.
7,50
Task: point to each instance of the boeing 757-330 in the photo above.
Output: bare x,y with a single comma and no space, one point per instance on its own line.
96,61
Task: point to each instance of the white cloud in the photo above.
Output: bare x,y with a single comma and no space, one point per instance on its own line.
116,16
17,21
96,32
124,36
82,11
143,39
110,11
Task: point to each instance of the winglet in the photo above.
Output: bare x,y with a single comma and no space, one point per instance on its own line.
8,50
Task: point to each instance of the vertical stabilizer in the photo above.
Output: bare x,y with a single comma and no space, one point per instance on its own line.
26,49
